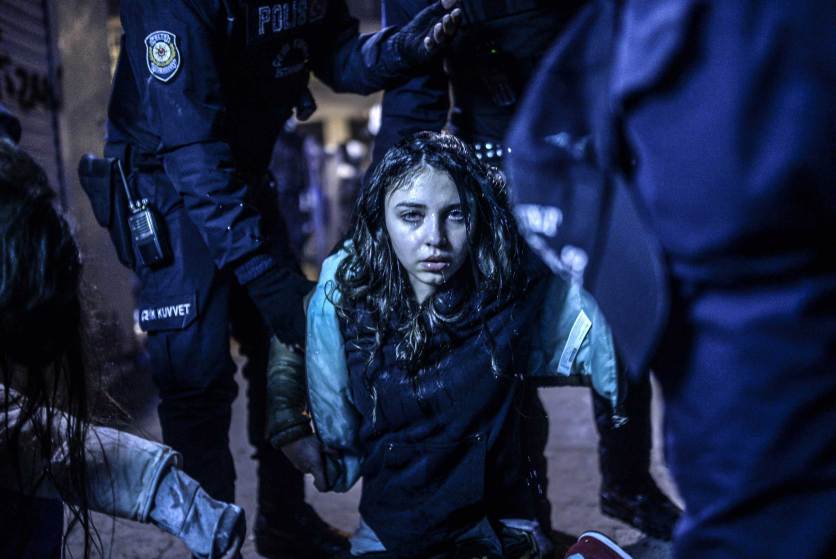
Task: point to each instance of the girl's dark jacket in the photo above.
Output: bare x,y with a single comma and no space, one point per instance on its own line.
433,465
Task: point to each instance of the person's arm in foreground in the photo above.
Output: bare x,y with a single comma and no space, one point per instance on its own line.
127,477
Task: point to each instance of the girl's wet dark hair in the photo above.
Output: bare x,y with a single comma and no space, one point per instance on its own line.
371,279
41,354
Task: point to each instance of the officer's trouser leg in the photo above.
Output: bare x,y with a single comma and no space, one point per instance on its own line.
197,388
189,349
280,485
194,372
197,426
624,452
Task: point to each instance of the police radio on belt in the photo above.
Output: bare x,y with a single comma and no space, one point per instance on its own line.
144,227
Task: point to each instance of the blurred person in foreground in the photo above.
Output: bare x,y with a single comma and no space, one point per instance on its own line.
694,142
50,452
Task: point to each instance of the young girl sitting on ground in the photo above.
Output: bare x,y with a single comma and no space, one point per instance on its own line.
422,332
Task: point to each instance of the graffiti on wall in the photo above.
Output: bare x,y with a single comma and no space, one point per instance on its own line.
27,88
21,85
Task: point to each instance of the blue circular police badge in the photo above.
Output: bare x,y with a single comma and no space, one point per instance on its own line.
163,56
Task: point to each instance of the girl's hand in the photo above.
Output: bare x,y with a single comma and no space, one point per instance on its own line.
306,455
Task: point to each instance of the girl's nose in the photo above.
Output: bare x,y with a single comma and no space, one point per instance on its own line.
435,232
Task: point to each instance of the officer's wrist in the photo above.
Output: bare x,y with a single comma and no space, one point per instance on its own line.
406,56
253,267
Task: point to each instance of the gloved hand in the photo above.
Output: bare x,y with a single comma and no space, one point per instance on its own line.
277,294
210,529
432,28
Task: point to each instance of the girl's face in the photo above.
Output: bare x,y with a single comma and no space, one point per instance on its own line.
425,223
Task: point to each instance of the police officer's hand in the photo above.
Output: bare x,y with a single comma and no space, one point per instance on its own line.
431,29
306,455
278,296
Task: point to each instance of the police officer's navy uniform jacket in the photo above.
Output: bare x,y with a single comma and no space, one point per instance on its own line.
213,102
201,91
434,461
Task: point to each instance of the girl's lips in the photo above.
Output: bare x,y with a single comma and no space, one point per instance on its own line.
435,265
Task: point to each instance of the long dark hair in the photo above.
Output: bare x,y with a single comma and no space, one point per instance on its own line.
371,280
41,334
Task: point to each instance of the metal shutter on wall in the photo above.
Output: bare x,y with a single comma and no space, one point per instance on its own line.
28,70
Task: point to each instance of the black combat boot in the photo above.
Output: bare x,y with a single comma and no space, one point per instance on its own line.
628,492
643,506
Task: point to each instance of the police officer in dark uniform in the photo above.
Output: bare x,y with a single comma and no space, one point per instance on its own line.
695,141
487,68
200,94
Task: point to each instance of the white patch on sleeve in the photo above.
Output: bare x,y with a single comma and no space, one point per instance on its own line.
573,344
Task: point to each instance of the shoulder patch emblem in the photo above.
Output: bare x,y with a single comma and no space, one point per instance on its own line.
163,56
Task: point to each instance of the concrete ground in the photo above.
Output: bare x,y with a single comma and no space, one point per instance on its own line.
573,490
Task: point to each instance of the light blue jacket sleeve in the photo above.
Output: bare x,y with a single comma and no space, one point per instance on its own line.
336,420
572,342
123,470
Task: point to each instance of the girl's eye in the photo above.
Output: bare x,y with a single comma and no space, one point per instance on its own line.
411,217
456,215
